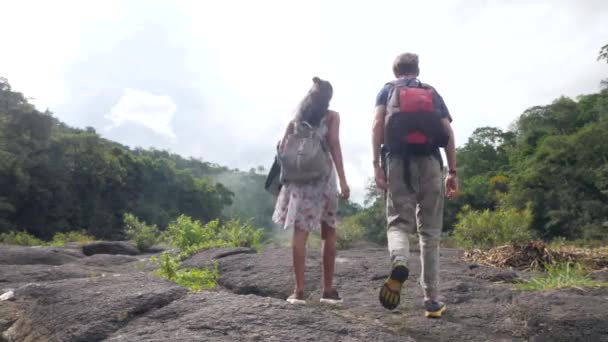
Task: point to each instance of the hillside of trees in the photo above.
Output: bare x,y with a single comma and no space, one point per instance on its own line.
55,178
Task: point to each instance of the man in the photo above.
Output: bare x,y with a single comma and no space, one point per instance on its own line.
413,123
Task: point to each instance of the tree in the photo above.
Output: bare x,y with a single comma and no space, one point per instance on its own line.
485,152
603,55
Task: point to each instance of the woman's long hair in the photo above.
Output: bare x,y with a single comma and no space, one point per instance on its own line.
314,106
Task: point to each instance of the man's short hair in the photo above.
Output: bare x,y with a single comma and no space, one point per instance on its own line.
406,64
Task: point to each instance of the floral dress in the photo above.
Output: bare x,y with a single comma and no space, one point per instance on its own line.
305,206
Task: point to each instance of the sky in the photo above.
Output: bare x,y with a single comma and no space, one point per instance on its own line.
219,80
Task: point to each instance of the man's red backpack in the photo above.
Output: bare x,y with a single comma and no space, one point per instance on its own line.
413,120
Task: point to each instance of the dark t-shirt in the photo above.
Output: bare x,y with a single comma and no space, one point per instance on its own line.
382,98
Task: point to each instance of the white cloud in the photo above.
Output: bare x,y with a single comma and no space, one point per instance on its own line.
148,110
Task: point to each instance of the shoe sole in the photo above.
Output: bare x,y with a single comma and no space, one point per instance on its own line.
435,314
296,301
331,301
398,276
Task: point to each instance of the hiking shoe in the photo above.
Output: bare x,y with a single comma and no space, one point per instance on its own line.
434,308
331,297
296,298
390,292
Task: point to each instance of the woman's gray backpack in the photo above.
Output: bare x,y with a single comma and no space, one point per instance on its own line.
304,157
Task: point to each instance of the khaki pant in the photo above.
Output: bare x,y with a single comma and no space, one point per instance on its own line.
416,209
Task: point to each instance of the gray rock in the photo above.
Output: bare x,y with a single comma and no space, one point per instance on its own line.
17,255
110,247
106,260
88,309
495,274
212,316
112,297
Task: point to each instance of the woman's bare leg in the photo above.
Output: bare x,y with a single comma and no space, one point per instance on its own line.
298,245
328,234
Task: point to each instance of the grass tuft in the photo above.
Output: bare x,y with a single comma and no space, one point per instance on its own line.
561,276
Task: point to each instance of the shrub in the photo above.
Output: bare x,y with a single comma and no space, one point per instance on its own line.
192,278
60,239
144,236
350,231
168,265
559,276
487,228
190,235
237,234
21,239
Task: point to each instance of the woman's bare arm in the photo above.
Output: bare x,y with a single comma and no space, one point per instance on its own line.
336,150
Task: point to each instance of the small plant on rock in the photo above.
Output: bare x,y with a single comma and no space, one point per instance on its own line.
192,278
144,236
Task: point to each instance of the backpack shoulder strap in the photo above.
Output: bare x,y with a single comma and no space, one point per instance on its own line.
425,86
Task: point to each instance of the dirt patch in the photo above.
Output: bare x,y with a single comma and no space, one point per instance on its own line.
536,255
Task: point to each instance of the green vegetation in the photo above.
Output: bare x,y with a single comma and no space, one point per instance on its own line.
20,239
191,236
559,276
486,229
554,164
144,236
240,234
371,218
61,239
349,232
191,278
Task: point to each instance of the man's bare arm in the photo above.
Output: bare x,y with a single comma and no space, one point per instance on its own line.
450,149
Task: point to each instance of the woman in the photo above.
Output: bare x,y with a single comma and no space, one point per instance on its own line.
313,206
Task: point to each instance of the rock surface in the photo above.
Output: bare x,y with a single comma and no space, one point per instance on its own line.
72,297
110,247
15,255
